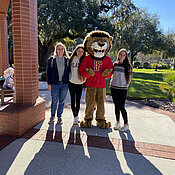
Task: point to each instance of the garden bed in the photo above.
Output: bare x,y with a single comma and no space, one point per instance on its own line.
162,104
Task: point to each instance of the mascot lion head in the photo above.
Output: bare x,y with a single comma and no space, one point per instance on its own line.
98,44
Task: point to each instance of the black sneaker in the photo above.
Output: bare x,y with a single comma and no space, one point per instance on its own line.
52,120
60,121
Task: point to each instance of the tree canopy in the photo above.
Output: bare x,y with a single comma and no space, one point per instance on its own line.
132,28
139,33
59,19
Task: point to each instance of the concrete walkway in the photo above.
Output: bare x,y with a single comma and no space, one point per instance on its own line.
148,148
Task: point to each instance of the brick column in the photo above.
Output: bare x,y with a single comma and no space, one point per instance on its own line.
25,51
4,61
28,109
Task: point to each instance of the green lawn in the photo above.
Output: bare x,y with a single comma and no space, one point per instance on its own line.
145,84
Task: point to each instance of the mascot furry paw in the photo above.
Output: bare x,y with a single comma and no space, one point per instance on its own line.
86,123
90,72
96,67
106,72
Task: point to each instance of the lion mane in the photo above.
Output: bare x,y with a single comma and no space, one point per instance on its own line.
98,44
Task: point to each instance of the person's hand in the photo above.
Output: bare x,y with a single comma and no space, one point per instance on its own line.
106,72
49,87
90,71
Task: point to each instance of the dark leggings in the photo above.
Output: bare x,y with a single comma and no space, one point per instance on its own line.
119,97
75,94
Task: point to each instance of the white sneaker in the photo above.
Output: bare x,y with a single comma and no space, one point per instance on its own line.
60,121
52,120
76,120
117,126
125,128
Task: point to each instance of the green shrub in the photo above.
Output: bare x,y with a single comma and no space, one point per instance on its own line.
136,64
154,65
168,85
164,66
146,65
159,66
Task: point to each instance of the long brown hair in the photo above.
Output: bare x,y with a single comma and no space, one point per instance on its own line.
74,53
126,64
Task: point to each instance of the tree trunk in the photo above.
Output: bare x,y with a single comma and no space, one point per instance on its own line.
132,59
133,54
156,68
42,56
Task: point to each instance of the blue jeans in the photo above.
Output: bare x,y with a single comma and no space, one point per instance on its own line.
58,94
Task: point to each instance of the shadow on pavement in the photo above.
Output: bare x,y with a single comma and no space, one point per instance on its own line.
50,157
7,161
137,164
101,161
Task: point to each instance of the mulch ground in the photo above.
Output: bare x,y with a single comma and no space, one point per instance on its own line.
162,104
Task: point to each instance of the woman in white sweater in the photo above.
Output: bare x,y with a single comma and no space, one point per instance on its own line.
119,84
76,80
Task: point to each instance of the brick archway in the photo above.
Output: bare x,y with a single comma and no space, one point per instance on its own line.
25,52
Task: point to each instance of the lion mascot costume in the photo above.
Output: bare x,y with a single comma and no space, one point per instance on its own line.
96,67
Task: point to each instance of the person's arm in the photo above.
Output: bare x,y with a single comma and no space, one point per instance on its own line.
49,87
83,67
49,71
130,75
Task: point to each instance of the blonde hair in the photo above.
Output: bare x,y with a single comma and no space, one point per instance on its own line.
65,51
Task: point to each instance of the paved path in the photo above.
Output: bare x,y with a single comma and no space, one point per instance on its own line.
147,148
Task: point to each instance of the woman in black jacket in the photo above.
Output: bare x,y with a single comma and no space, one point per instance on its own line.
57,79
